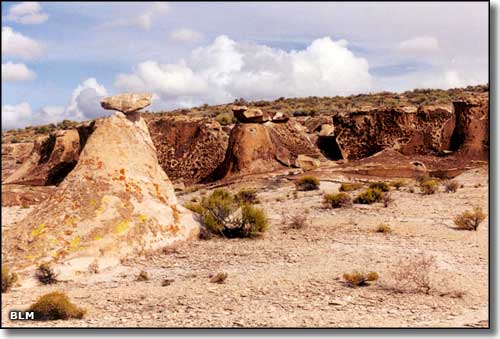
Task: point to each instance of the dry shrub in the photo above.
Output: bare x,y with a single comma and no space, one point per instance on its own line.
451,186
370,196
45,274
414,275
348,186
470,220
387,199
218,278
429,186
142,276
357,278
55,306
383,228
247,196
383,186
296,221
8,279
397,184
337,200
307,183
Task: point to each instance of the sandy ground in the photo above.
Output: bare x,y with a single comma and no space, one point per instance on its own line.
293,278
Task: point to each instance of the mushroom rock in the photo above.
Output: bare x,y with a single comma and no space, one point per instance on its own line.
117,202
127,103
52,157
250,115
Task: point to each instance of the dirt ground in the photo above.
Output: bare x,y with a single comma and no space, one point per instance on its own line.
293,277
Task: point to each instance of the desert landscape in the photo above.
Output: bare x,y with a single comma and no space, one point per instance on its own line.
368,210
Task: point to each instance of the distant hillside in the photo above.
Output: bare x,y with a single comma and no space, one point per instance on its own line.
307,106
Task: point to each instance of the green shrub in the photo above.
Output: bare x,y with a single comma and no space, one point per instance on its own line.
397,184
429,186
348,187
225,119
307,183
338,200
359,278
369,196
470,220
42,130
45,274
247,196
384,187
8,279
450,186
55,306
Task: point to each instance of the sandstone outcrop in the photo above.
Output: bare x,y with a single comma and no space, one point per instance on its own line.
127,103
250,115
307,163
13,156
117,202
189,149
52,157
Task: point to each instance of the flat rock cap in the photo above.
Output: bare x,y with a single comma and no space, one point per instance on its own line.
127,102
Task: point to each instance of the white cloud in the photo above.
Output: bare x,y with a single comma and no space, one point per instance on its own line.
144,20
226,70
17,45
418,46
28,13
85,101
14,116
12,72
185,35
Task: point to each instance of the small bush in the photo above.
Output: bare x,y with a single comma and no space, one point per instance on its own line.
451,186
397,184
359,279
387,199
296,221
218,278
429,186
254,222
348,187
307,183
143,276
421,178
45,274
338,200
470,220
384,228
247,196
369,196
384,187
414,275
8,279
225,119
55,306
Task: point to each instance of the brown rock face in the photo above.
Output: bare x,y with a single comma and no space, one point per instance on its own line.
127,103
52,158
250,115
470,137
116,202
189,149
13,156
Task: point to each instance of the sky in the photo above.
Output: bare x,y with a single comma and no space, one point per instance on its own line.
60,58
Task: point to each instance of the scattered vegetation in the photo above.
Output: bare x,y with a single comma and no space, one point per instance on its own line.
414,275
429,186
218,278
348,187
370,196
307,183
225,119
397,184
451,186
8,279
223,214
45,274
470,220
383,186
247,196
142,276
384,228
296,221
337,200
357,278
55,306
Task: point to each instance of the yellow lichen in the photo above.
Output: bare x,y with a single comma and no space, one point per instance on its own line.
74,244
38,230
143,217
121,227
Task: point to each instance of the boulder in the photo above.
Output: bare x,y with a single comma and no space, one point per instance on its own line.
250,115
313,124
307,163
326,130
117,203
127,102
280,117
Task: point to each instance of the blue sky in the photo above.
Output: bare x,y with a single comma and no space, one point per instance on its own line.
58,59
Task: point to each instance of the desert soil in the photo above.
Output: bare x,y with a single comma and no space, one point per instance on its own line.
293,277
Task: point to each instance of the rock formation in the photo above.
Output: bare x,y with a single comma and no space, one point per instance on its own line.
116,202
52,157
250,115
127,103
13,156
189,149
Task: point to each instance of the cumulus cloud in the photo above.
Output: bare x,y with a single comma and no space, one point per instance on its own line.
12,72
28,13
418,46
22,115
17,45
185,35
226,70
85,101
143,20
